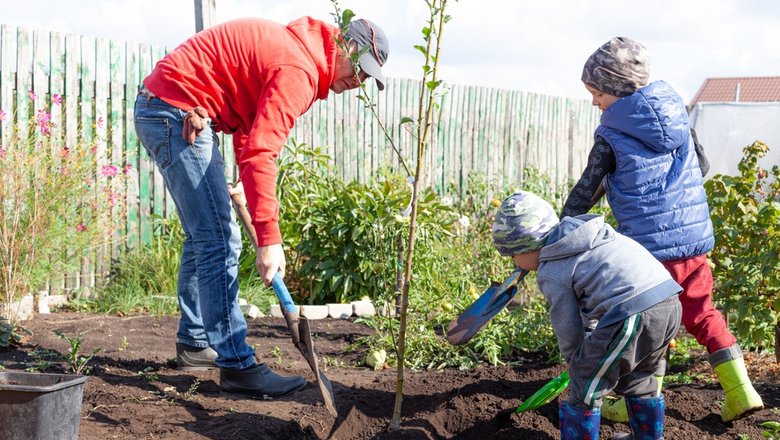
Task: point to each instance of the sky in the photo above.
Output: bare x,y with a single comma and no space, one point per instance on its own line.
531,45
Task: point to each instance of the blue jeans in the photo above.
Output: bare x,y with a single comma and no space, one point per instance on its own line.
208,276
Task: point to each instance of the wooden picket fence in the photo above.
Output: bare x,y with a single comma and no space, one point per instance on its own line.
497,132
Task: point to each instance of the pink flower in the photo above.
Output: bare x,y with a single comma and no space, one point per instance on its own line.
43,120
56,99
81,227
2,153
64,171
65,151
109,170
2,115
112,198
99,122
31,94
43,117
127,168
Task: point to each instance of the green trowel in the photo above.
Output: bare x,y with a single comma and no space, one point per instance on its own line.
546,394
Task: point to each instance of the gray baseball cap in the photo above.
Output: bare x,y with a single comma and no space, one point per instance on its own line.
366,33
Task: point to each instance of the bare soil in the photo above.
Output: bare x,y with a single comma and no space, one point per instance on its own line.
135,391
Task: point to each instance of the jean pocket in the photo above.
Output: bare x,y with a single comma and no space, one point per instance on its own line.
155,136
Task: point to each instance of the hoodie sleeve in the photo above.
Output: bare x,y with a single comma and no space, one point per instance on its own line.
585,194
287,93
564,315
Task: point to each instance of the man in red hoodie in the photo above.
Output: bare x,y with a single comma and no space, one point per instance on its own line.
250,78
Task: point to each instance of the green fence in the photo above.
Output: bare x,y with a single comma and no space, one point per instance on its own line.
498,132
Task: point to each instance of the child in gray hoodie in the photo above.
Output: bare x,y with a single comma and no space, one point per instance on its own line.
613,306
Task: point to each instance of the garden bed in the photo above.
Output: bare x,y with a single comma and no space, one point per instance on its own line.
136,393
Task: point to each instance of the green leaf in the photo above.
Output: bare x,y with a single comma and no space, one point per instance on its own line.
426,31
433,84
423,50
406,120
346,17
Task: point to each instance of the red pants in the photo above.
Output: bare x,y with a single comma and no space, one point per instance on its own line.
699,316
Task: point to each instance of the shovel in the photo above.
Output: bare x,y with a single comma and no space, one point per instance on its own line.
546,394
495,298
298,325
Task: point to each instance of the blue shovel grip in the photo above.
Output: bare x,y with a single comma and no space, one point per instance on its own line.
284,296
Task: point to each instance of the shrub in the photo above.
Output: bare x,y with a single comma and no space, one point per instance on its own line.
340,237
745,213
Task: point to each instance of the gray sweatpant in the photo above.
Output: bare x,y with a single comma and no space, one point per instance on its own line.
625,356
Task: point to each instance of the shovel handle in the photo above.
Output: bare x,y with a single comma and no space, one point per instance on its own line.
278,283
283,294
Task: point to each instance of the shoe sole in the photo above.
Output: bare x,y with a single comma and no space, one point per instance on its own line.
240,396
745,413
204,368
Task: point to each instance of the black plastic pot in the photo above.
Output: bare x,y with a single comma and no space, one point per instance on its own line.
37,406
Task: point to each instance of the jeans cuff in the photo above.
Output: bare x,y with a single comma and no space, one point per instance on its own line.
192,342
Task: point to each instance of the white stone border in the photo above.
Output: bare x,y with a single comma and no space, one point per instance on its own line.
42,302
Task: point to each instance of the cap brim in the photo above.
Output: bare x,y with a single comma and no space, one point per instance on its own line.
370,65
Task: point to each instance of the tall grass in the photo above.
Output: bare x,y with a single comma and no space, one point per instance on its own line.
144,280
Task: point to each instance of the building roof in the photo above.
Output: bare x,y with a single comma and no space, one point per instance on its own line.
745,89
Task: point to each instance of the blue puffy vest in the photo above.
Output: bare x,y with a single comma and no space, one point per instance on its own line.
656,192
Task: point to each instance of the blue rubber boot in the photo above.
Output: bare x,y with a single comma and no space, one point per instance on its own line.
578,423
646,417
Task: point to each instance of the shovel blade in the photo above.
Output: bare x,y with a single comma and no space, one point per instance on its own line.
495,298
546,394
306,347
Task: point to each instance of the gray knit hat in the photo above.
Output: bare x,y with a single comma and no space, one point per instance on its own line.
619,67
522,223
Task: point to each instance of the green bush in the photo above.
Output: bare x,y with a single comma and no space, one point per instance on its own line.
745,212
10,335
341,237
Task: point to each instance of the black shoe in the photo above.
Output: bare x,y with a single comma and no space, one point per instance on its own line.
189,358
258,382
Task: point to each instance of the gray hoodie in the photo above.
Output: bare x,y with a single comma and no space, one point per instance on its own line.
593,277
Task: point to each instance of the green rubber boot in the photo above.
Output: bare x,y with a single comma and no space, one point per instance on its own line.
614,409
741,397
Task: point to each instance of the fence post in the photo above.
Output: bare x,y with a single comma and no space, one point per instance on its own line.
205,14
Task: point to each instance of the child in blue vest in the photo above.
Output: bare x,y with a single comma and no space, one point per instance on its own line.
648,162
613,308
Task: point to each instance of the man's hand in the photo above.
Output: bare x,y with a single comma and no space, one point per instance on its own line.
270,259
194,122
237,193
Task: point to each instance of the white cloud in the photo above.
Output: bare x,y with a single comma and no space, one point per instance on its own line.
537,46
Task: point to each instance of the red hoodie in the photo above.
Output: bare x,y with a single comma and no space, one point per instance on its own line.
254,78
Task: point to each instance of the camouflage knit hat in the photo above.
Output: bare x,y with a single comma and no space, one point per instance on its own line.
619,67
522,223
